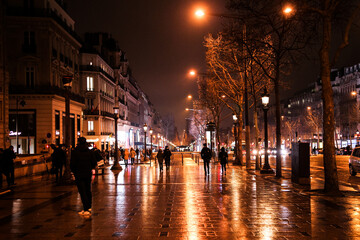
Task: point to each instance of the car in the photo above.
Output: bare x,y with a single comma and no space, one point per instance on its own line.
354,162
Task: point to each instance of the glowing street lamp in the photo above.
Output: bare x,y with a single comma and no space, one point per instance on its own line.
288,10
199,13
145,130
189,96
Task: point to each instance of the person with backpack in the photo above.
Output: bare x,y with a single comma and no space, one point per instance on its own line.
206,156
167,154
223,157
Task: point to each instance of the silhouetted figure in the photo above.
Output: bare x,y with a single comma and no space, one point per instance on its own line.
132,155
8,165
223,157
160,158
206,156
58,158
167,155
83,161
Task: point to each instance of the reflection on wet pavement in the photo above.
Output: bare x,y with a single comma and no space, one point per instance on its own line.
141,202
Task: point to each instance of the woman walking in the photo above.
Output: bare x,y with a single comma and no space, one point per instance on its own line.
160,158
223,156
132,155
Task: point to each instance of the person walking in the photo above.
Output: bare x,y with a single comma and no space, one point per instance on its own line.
137,154
132,155
82,162
223,156
58,158
160,158
126,157
2,170
206,156
167,155
8,166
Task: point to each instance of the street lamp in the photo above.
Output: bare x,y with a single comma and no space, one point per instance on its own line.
158,137
237,159
67,83
116,165
265,101
145,129
151,132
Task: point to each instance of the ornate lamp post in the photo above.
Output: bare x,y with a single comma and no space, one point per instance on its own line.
67,82
145,129
265,101
237,160
116,165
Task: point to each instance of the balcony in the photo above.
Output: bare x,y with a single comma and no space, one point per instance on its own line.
107,114
91,112
92,68
107,133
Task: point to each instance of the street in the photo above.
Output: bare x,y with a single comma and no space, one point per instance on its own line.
182,203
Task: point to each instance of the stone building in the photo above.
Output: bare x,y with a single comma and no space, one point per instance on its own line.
42,48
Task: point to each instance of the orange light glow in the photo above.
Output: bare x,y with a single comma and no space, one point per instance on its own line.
192,73
189,96
353,93
187,109
287,10
308,108
199,13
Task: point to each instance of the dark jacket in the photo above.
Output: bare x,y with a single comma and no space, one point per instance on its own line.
8,159
82,161
160,157
167,154
58,157
206,154
223,157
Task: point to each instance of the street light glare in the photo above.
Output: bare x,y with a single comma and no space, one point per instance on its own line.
192,73
287,10
200,13
187,109
189,96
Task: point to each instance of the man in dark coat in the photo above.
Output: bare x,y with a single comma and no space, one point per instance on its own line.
206,156
58,158
82,162
167,154
8,165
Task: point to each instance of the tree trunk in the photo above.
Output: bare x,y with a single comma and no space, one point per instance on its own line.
257,161
331,177
278,121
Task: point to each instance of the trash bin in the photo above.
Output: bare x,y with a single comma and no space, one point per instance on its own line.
300,163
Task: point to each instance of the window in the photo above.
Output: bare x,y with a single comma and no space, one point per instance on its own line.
57,120
29,38
89,83
90,126
29,77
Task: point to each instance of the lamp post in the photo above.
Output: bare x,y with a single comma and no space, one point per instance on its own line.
67,83
265,101
237,160
116,165
158,138
151,132
145,129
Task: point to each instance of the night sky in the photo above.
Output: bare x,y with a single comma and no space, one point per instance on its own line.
163,41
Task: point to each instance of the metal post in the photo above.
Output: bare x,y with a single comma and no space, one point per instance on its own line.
266,168
67,173
145,146
17,125
150,147
116,165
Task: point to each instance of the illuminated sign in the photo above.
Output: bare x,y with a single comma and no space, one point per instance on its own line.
14,133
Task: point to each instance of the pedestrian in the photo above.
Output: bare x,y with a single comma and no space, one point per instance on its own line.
132,155
206,156
137,154
223,156
2,169
126,157
167,155
8,165
83,161
160,158
58,158
122,153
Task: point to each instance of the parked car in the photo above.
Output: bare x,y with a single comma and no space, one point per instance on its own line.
354,161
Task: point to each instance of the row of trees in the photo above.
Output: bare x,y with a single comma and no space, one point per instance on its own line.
258,48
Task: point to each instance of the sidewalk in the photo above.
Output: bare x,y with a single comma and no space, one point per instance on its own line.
141,203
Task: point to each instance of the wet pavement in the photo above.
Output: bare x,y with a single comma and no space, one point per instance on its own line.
139,202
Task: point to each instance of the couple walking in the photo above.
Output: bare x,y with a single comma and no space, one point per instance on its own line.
161,155
206,155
